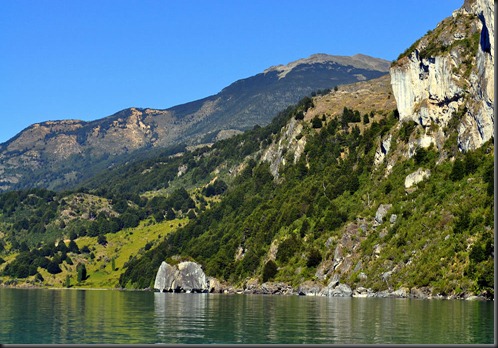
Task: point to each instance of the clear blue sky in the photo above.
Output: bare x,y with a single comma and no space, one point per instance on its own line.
88,59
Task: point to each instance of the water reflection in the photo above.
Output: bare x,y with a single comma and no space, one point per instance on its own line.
179,317
83,316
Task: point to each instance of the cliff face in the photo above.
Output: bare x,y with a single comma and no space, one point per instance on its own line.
447,78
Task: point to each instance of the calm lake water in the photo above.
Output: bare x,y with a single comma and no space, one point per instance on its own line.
99,316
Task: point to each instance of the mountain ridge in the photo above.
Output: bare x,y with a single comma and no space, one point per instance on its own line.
39,150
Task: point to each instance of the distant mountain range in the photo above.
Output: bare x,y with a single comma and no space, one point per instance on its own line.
59,154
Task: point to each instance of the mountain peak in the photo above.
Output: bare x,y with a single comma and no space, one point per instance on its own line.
359,61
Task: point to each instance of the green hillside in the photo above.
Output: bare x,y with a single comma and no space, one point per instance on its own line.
295,223
311,220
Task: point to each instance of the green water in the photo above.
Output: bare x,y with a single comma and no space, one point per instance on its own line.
97,316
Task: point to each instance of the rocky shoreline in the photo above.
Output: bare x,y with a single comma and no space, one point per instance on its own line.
188,277
283,289
310,288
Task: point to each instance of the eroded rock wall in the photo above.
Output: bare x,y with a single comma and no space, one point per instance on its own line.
451,72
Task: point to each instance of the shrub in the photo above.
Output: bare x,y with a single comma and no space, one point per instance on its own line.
81,269
102,240
316,122
53,267
458,170
314,258
406,130
269,270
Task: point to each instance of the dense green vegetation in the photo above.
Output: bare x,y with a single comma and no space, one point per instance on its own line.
244,223
323,192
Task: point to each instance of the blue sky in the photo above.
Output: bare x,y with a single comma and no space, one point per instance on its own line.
71,59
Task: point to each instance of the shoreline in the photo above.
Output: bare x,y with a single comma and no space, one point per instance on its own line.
276,289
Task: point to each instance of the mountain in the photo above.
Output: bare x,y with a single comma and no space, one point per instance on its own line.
383,202
380,188
58,154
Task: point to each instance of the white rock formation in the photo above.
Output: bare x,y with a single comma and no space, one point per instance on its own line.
287,142
416,177
381,213
185,277
429,90
383,150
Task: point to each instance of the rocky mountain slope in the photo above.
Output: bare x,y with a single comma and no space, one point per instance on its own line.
386,203
58,154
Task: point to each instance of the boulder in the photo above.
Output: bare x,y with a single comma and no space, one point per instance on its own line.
341,290
309,288
381,213
416,177
422,293
401,292
185,277
166,275
336,289
276,288
383,294
215,285
363,292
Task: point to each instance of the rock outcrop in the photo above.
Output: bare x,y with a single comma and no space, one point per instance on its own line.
416,177
187,276
382,150
289,142
449,74
381,213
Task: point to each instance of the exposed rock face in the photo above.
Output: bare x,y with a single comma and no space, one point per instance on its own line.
185,277
416,177
451,67
288,142
381,212
383,150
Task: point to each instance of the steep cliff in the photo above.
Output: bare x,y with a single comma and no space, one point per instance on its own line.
445,81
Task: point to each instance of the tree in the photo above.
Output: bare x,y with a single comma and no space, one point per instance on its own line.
53,267
81,269
67,283
314,258
73,247
316,122
102,240
299,116
170,214
366,119
269,270
458,170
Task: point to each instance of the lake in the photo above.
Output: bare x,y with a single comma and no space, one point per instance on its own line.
68,316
